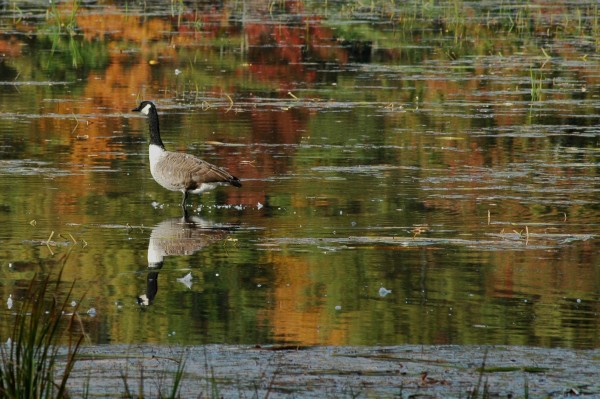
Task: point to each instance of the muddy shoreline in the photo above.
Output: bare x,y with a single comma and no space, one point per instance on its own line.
407,371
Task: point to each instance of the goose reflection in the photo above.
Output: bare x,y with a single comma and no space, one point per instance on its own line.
177,237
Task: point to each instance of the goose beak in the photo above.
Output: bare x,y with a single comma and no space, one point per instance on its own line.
136,109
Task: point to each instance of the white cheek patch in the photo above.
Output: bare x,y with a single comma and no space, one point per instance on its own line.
146,109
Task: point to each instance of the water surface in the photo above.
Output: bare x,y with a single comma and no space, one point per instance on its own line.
410,175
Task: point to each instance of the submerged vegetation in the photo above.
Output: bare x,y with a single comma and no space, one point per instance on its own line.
482,36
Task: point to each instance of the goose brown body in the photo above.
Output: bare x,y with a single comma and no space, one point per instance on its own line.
178,171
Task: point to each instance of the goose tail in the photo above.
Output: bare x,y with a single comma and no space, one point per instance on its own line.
234,181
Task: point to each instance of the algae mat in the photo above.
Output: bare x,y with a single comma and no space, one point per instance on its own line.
333,372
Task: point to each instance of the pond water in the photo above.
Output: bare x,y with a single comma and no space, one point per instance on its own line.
412,173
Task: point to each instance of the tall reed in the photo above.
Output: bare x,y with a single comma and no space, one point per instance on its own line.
29,359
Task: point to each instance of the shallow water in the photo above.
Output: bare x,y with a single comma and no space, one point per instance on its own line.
409,175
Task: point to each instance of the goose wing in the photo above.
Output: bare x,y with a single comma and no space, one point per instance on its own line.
182,171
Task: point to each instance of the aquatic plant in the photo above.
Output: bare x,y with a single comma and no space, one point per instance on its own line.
29,360
481,389
537,84
60,20
163,388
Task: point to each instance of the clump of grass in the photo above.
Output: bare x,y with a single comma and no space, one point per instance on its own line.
537,85
481,390
163,389
29,360
67,21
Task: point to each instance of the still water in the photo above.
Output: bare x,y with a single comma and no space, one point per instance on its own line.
412,173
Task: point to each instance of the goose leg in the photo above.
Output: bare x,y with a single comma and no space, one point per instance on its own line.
185,195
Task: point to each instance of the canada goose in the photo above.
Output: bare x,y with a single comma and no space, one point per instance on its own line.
177,171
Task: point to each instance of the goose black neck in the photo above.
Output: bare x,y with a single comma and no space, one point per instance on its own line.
154,129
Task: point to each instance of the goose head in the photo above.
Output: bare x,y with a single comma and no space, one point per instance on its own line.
145,108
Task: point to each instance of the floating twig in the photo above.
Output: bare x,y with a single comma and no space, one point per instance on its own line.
49,238
76,123
72,238
545,53
230,103
48,243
